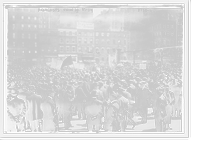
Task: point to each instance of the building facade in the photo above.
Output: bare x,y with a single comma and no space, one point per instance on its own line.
23,32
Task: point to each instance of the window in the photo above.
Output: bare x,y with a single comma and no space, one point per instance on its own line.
35,26
35,44
22,25
73,49
22,17
167,25
97,34
13,26
29,26
91,41
163,25
22,44
35,36
61,40
13,17
97,41
108,34
79,49
14,52
61,48
13,44
22,35
97,51
79,40
29,36
85,41
67,48
13,35
108,41
35,18
29,18
102,34
163,33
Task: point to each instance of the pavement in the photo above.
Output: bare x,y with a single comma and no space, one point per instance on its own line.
79,125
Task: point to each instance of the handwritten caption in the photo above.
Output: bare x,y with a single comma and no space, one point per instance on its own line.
64,9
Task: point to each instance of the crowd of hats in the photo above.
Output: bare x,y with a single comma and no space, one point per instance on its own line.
46,80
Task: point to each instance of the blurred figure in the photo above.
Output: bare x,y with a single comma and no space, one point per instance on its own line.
160,110
50,119
16,110
34,114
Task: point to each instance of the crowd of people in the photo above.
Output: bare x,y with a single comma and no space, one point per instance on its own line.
41,87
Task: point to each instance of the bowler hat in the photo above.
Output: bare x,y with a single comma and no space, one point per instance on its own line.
32,88
14,91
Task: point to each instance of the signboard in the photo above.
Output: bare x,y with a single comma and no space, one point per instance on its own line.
88,60
85,25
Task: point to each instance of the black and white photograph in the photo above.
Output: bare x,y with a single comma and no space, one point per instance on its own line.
95,69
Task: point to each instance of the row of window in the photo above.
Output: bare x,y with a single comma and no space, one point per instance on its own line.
29,26
166,26
68,48
24,17
68,41
13,52
164,33
85,49
66,33
27,36
23,44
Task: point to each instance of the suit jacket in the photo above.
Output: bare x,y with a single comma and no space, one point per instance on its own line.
160,107
67,103
94,108
86,89
48,107
80,95
170,99
144,95
16,107
34,111
22,95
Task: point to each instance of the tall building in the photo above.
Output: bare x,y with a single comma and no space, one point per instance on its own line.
23,32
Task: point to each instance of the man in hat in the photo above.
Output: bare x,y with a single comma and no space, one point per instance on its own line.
176,89
144,95
80,100
16,110
34,112
94,112
123,104
22,95
67,106
160,110
170,100
50,119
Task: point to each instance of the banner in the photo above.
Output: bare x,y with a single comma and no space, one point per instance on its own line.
68,61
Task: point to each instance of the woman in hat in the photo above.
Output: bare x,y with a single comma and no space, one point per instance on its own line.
16,110
94,112
34,112
48,106
160,110
170,100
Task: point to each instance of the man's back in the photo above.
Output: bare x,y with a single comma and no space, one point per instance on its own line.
36,100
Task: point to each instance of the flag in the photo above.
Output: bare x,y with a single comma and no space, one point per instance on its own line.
68,61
